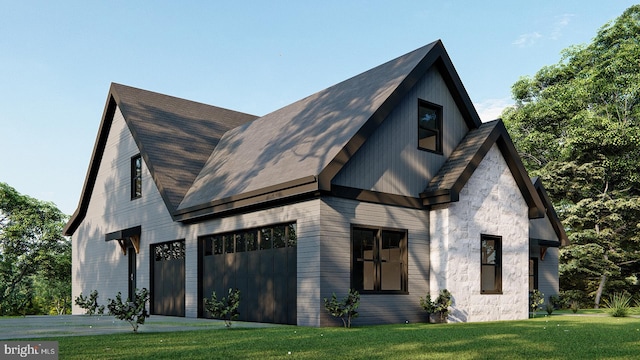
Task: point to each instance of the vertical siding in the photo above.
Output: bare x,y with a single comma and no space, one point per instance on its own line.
490,203
390,161
335,246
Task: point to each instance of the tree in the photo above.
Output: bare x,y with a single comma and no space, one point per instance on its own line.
576,125
31,246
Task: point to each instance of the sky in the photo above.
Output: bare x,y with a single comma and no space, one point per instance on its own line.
58,59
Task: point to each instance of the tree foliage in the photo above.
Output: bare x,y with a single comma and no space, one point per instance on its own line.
35,258
576,125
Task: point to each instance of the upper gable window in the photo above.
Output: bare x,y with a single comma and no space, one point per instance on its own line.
136,177
429,126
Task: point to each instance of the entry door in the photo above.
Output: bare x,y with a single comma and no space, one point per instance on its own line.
132,273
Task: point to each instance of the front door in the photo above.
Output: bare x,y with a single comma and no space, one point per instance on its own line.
131,252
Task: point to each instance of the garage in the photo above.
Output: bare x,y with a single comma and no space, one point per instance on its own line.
167,279
259,262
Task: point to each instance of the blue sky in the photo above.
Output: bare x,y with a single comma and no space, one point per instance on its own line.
58,58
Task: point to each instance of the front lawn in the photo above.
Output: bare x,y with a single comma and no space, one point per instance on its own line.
555,337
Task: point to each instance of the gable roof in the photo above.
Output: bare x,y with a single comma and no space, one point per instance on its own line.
175,138
453,175
551,212
300,148
207,161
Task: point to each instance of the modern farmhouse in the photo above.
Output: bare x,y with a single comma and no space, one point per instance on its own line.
387,183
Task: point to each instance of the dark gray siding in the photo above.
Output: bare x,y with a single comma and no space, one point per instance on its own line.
335,247
390,161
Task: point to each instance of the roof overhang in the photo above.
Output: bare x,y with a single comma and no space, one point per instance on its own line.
294,190
457,171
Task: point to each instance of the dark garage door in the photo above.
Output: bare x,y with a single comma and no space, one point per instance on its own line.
167,292
261,263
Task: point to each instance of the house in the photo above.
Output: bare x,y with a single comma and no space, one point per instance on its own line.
387,182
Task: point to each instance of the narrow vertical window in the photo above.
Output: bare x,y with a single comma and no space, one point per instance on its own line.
533,274
491,264
429,127
136,177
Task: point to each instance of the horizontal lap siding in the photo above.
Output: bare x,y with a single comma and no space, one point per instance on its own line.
547,270
337,217
100,265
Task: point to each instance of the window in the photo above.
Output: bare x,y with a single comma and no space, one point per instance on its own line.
379,260
266,238
491,264
136,177
533,274
429,126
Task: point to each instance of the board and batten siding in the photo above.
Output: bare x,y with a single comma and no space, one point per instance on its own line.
390,161
490,203
338,215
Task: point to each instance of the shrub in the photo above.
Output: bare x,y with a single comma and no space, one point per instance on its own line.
428,305
346,309
90,304
134,312
549,308
225,308
574,306
439,307
618,304
556,302
536,299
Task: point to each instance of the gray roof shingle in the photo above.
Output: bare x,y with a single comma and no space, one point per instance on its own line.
301,139
175,136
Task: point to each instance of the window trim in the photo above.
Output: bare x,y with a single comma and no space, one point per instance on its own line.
136,177
439,113
404,251
497,265
533,277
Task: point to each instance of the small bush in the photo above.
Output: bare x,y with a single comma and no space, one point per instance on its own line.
225,308
618,304
90,304
439,307
549,308
574,306
346,309
556,302
536,299
134,312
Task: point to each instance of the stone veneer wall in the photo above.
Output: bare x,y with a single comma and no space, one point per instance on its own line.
490,203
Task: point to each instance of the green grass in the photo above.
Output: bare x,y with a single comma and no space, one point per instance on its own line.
603,310
555,337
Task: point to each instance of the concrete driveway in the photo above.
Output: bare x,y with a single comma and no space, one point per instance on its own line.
74,325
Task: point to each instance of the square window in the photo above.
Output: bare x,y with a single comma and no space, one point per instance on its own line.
429,127
379,258
491,264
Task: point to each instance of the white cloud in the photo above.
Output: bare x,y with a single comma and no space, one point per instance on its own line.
562,21
491,109
526,40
